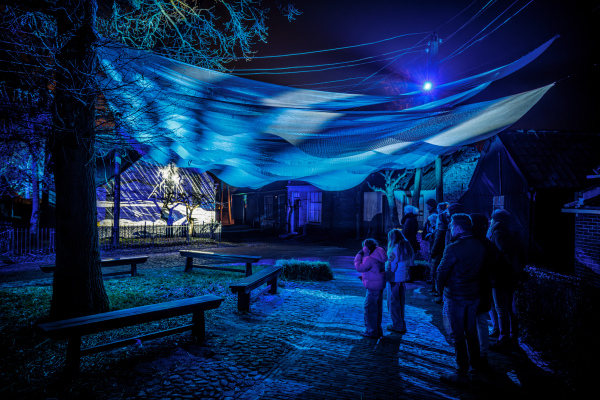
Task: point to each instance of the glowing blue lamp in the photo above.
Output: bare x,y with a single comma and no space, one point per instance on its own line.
427,86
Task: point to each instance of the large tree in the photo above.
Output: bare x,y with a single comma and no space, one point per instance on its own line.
391,184
206,33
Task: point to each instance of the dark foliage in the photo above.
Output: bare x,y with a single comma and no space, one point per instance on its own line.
559,315
306,270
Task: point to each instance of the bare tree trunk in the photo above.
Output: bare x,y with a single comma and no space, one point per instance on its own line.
35,197
78,288
389,217
117,201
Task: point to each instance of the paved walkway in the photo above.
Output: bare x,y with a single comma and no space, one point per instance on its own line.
305,343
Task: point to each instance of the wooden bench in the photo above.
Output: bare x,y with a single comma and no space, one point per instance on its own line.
73,329
249,283
226,258
110,262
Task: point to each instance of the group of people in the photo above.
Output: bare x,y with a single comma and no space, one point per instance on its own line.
474,273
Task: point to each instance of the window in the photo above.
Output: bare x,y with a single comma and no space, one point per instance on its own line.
269,207
498,202
314,208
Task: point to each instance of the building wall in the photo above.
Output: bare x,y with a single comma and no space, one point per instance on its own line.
587,248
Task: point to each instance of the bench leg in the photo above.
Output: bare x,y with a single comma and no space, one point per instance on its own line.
243,301
73,356
133,269
188,264
273,284
199,329
248,269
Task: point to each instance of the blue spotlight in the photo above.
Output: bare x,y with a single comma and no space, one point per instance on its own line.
427,86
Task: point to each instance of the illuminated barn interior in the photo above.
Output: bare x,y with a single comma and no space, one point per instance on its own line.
145,191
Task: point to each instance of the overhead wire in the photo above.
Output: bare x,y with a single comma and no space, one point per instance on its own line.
473,18
457,52
322,69
321,65
326,50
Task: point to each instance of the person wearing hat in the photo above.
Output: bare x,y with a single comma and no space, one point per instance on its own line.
411,226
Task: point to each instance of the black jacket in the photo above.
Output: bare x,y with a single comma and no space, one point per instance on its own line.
410,230
488,268
505,275
459,272
439,243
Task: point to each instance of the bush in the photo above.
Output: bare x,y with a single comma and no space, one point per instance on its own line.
306,270
558,315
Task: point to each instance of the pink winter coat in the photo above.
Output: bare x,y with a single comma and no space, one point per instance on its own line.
372,268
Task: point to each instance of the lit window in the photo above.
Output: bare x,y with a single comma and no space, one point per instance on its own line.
314,207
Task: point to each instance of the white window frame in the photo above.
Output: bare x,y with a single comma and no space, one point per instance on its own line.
315,204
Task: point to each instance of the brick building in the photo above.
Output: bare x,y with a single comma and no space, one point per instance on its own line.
587,234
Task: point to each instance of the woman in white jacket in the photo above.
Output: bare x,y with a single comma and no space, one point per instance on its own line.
400,258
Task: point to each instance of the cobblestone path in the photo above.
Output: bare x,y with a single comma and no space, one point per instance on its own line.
305,343
332,361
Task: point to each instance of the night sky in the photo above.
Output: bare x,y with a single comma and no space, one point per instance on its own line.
571,61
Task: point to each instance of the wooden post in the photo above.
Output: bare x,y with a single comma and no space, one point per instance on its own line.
248,269
133,269
243,301
189,264
199,328
417,188
229,204
439,180
273,284
73,356
221,208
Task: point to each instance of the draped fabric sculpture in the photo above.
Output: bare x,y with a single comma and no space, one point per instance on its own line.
251,133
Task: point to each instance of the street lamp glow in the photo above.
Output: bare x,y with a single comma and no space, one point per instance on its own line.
427,86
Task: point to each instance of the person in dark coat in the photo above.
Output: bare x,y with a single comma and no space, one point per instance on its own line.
411,226
459,276
504,280
439,243
480,228
427,234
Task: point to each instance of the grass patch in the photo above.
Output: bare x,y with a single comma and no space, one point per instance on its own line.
305,270
29,358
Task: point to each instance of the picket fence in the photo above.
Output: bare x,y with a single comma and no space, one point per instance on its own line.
22,241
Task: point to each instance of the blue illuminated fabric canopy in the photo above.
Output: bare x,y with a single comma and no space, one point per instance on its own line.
251,133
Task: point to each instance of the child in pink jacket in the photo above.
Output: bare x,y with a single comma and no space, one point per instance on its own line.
371,262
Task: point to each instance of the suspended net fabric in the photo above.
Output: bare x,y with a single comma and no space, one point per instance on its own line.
250,134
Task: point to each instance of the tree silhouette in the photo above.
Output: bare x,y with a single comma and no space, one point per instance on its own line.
391,184
67,35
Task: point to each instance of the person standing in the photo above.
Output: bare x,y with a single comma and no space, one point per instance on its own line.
458,277
427,235
480,228
504,281
400,255
410,226
439,243
370,261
